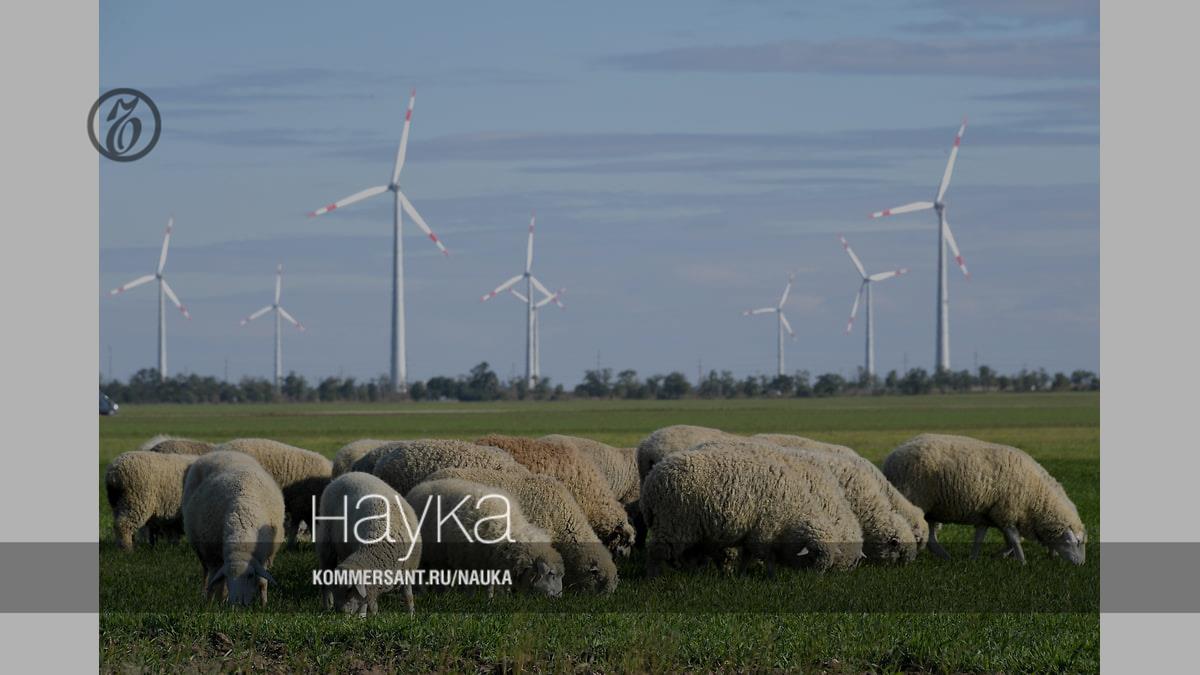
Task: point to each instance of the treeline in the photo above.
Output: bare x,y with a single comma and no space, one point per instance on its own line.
482,384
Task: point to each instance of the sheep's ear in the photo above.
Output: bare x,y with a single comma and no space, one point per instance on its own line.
542,568
262,572
362,590
803,552
1071,538
214,578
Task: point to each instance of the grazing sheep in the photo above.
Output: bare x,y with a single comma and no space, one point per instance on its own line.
177,446
617,465
956,479
887,536
233,518
301,474
803,443
494,541
670,440
606,515
403,464
145,490
375,513
351,452
548,504
710,500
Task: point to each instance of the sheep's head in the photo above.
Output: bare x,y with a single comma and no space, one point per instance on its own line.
1070,545
542,578
619,539
352,600
601,574
245,581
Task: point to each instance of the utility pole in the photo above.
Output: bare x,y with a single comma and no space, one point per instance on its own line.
110,371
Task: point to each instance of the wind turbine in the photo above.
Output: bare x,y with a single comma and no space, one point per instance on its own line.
399,368
163,289
279,312
782,320
531,282
865,287
945,236
537,340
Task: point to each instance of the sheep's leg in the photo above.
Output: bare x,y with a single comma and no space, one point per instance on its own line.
408,598
980,534
1014,543
935,547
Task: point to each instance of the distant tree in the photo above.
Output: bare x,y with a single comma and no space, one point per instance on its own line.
628,386
987,378
542,390
294,387
829,384
482,385
750,387
596,383
781,385
891,382
417,391
675,386
441,388
916,381
1060,382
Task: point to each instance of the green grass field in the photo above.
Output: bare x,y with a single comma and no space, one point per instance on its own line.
874,618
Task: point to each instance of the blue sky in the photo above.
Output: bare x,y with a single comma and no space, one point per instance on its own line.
682,159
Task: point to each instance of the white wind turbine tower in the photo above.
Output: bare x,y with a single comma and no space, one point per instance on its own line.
531,308
865,287
163,289
944,237
399,369
280,312
537,341
781,319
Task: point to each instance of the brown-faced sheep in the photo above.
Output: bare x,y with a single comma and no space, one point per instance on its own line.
489,533
605,514
145,490
301,474
233,518
956,479
548,504
708,501
364,526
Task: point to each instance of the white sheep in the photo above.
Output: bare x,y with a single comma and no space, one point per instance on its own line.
174,445
353,451
233,517
357,508
145,490
301,475
493,535
708,501
956,479
548,504
403,464
669,440
805,443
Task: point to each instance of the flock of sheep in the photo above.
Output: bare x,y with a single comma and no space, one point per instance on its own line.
687,494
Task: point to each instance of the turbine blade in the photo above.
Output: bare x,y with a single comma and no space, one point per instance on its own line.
132,284
853,258
553,298
171,294
950,162
290,318
278,282
962,264
787,289
787,325
538,285
887,275
403,149
162,257
907,208
356,197
502,287
854,309
529,246
760,310
412,213
519,294
255,315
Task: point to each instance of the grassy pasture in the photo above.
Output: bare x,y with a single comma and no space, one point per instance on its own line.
873,618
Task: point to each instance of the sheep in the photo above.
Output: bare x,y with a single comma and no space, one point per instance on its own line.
605,514
911,514
145,490
369,510
714,499
351,452
178,446
494,534
403,464
617,465
301,474
233,517
956,479
548,504
669,440
887,535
